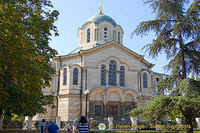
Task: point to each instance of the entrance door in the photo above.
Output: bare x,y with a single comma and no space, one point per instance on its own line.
113,111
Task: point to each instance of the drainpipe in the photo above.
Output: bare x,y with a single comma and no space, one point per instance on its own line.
58,87
81,87
86,89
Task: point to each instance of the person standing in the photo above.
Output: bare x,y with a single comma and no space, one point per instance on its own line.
83,126
42,126
53,128
69,127
75,124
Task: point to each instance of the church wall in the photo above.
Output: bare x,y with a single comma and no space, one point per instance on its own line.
106,54
103,57
93,79
54,85
83,44
46,116
63,108
131,80
69,87
74,108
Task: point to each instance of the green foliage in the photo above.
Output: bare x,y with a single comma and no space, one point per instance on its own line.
190,87
177,35
25,68
185,106
14,117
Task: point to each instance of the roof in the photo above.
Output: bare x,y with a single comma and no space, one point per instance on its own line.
101,17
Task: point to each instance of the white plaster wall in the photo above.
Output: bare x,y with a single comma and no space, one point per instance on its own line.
63,108
74,108
93,78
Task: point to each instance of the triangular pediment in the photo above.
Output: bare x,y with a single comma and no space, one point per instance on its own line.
106,46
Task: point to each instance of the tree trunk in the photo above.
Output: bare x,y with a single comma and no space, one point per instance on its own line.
1,121
189,130
182,56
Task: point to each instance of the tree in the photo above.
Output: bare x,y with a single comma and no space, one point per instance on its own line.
178,36
25,56
186,107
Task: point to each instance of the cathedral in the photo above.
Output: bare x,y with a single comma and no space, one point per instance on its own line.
102,79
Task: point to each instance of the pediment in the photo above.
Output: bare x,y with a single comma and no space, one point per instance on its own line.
120,48
104,47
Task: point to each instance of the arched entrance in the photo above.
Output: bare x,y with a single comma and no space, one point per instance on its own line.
112,102
113,105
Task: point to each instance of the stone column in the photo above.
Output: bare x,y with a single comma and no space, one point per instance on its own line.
178,120
110,120
104,111
29,123
58,121
117,78
198,122
107,78
134,123
122,110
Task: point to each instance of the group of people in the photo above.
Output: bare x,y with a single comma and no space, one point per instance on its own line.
82,126
52,128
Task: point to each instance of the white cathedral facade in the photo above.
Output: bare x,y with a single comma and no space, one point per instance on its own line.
117,78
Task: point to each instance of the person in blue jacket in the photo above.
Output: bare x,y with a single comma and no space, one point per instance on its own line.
53,128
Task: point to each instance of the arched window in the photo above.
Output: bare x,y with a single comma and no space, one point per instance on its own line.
88,35
75,76
121,77
105,34
65,76
103,75
119,37
112,73
144,80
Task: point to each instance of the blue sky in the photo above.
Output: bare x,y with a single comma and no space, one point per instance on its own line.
127,13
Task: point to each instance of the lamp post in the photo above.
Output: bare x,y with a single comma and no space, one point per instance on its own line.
86,96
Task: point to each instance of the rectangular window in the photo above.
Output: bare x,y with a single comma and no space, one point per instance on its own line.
97,110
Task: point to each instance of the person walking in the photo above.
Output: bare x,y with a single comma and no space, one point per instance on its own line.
83,126
42,126
53,128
